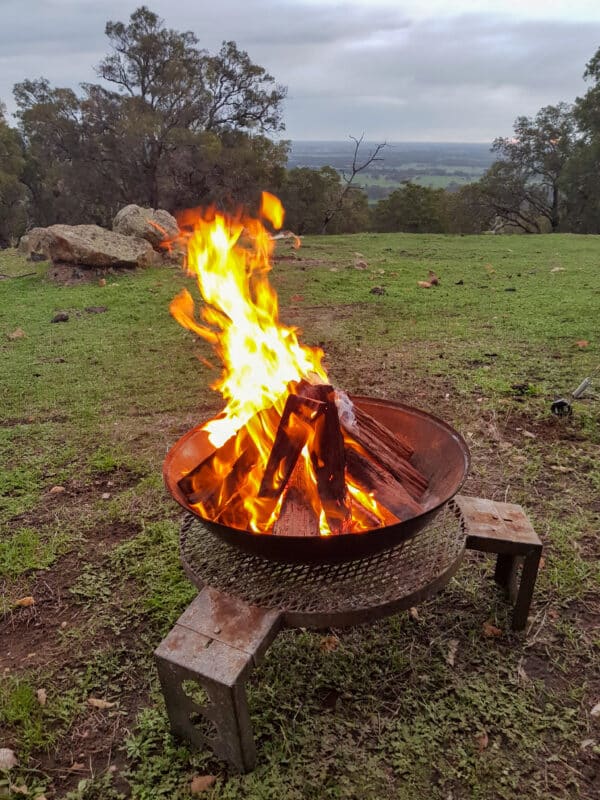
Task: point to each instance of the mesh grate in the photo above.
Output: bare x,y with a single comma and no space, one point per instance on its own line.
325,589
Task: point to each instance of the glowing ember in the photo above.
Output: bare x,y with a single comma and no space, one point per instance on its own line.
263,364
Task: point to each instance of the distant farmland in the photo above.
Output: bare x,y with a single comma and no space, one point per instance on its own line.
437,164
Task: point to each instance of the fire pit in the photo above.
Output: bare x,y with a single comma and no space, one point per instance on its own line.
305,507
440,453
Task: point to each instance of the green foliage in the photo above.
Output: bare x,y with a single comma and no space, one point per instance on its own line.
12,190
309,195
181,128
412,209
25,550
35,726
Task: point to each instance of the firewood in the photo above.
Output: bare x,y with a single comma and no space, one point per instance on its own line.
297,517
386,488
388,450
294,430
225,462
329,463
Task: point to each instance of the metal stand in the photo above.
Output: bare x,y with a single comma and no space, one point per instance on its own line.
203,665
503,528
205,660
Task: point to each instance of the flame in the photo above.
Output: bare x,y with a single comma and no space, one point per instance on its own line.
262,362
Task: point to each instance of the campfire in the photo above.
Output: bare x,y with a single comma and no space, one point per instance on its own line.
289,454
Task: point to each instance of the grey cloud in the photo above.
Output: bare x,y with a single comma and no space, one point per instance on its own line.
348,69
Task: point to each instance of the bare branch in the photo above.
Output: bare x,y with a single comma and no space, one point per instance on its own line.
356,169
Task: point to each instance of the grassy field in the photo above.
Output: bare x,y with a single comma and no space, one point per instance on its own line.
417,706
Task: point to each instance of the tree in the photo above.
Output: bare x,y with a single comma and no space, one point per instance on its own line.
12,190
467,210
524,185
411,209
309,194
169,115
355,168
580,179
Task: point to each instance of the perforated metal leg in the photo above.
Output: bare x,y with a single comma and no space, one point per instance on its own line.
203,664
504,529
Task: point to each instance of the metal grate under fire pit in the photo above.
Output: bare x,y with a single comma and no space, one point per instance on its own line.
321,595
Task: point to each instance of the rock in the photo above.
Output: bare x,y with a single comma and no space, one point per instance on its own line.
92,246
8,759
35,243
154,225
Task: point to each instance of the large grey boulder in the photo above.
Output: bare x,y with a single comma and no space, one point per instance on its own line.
154,225
92,246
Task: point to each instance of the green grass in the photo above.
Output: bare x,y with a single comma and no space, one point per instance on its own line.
24,551
93,404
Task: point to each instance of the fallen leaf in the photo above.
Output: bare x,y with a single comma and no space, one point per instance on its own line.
595,712
557,269
489,269
414,613
57,490
96,309
97,702
200,783
491,630
106,495
102,282
424,284
297,298
8,759
77,767
587,743
582,344
529,434
42,697
19,789
18,333
482,740
25,602
452,650
329,643
361,265
333,269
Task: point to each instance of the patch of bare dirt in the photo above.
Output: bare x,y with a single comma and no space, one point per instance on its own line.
75,275
35,636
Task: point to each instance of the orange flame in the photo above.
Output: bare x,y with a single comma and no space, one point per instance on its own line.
262,361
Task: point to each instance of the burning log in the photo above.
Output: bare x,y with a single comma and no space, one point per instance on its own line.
388,490
292,435
329,462
388,450
297,517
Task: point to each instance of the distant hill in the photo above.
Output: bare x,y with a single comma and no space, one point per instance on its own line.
438,164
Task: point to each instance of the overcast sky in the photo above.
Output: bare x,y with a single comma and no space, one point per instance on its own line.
403,70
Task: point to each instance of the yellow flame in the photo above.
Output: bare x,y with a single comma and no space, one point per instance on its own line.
262,360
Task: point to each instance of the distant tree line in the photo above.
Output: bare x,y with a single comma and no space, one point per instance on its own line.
174,126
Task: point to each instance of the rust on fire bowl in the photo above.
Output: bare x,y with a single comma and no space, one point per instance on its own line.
440,453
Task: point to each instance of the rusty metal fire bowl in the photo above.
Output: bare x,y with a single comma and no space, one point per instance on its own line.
440,453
